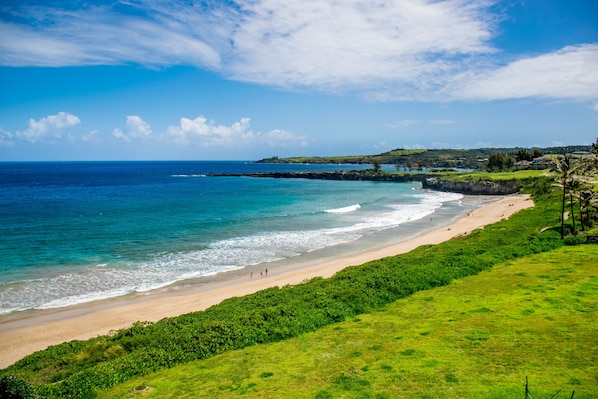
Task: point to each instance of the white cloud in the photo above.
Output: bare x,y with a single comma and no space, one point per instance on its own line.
410,122
201,132
431,50
595,107
569,73
98,35
6,138
52,127
482,144
136,128
91,137
438,144
326,45
364,45
402,123
381,145
278,138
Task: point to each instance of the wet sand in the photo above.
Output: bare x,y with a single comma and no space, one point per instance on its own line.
29,333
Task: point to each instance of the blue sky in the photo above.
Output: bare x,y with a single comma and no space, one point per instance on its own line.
248,79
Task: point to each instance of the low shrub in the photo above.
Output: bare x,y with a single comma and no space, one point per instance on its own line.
574,240
12,387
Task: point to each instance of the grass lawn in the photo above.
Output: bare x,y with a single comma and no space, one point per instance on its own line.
520,174
478,337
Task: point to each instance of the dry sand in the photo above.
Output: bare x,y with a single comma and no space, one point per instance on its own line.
23,336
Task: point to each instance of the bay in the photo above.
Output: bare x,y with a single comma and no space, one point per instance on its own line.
73,232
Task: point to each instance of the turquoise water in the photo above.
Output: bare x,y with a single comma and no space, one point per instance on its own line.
76,232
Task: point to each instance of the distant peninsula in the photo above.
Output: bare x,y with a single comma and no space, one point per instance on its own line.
435,169
429,181
418,159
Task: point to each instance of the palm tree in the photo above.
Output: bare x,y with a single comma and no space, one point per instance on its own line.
586,171
574,177
587,199
564,170
575,185
376,164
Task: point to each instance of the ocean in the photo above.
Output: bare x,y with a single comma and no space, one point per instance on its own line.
74,232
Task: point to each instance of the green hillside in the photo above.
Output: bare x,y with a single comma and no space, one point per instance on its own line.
418,158
479,337
389,362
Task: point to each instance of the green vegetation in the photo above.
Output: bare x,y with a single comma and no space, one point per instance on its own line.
411,362
12,387
78,369
576,179
347,159
479,337
523,175
441,159
500,162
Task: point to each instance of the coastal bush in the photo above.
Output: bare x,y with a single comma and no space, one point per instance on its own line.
537,312
574,240
12,387
79,368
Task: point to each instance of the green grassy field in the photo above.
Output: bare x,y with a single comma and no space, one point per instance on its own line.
478,337
516,175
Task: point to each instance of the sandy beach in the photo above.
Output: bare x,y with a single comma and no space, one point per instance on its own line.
25,335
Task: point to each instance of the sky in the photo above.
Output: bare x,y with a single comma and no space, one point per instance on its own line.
250,79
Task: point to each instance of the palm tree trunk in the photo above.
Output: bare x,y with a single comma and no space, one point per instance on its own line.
573,228
563,208
581,206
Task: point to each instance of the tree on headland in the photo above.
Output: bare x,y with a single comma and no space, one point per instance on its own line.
588,200
524,155
421,165
575,176
499,162
376,165
536,153
564,172
584,178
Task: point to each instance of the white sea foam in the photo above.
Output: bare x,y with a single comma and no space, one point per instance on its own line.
350,208
86,284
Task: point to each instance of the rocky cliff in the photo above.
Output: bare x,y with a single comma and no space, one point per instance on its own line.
340,175
472,187
475,187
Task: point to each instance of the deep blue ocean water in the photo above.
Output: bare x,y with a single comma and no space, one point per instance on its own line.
73,232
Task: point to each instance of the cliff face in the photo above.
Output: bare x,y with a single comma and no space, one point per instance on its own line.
339,176
479,187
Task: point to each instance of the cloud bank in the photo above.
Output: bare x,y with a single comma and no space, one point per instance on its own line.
136,128
201,132
383,50
198,132
50,128
569,73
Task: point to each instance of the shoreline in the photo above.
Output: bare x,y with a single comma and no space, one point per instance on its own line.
27,334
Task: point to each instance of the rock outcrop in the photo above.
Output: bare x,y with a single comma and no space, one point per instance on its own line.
471,187
474,187
340,175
